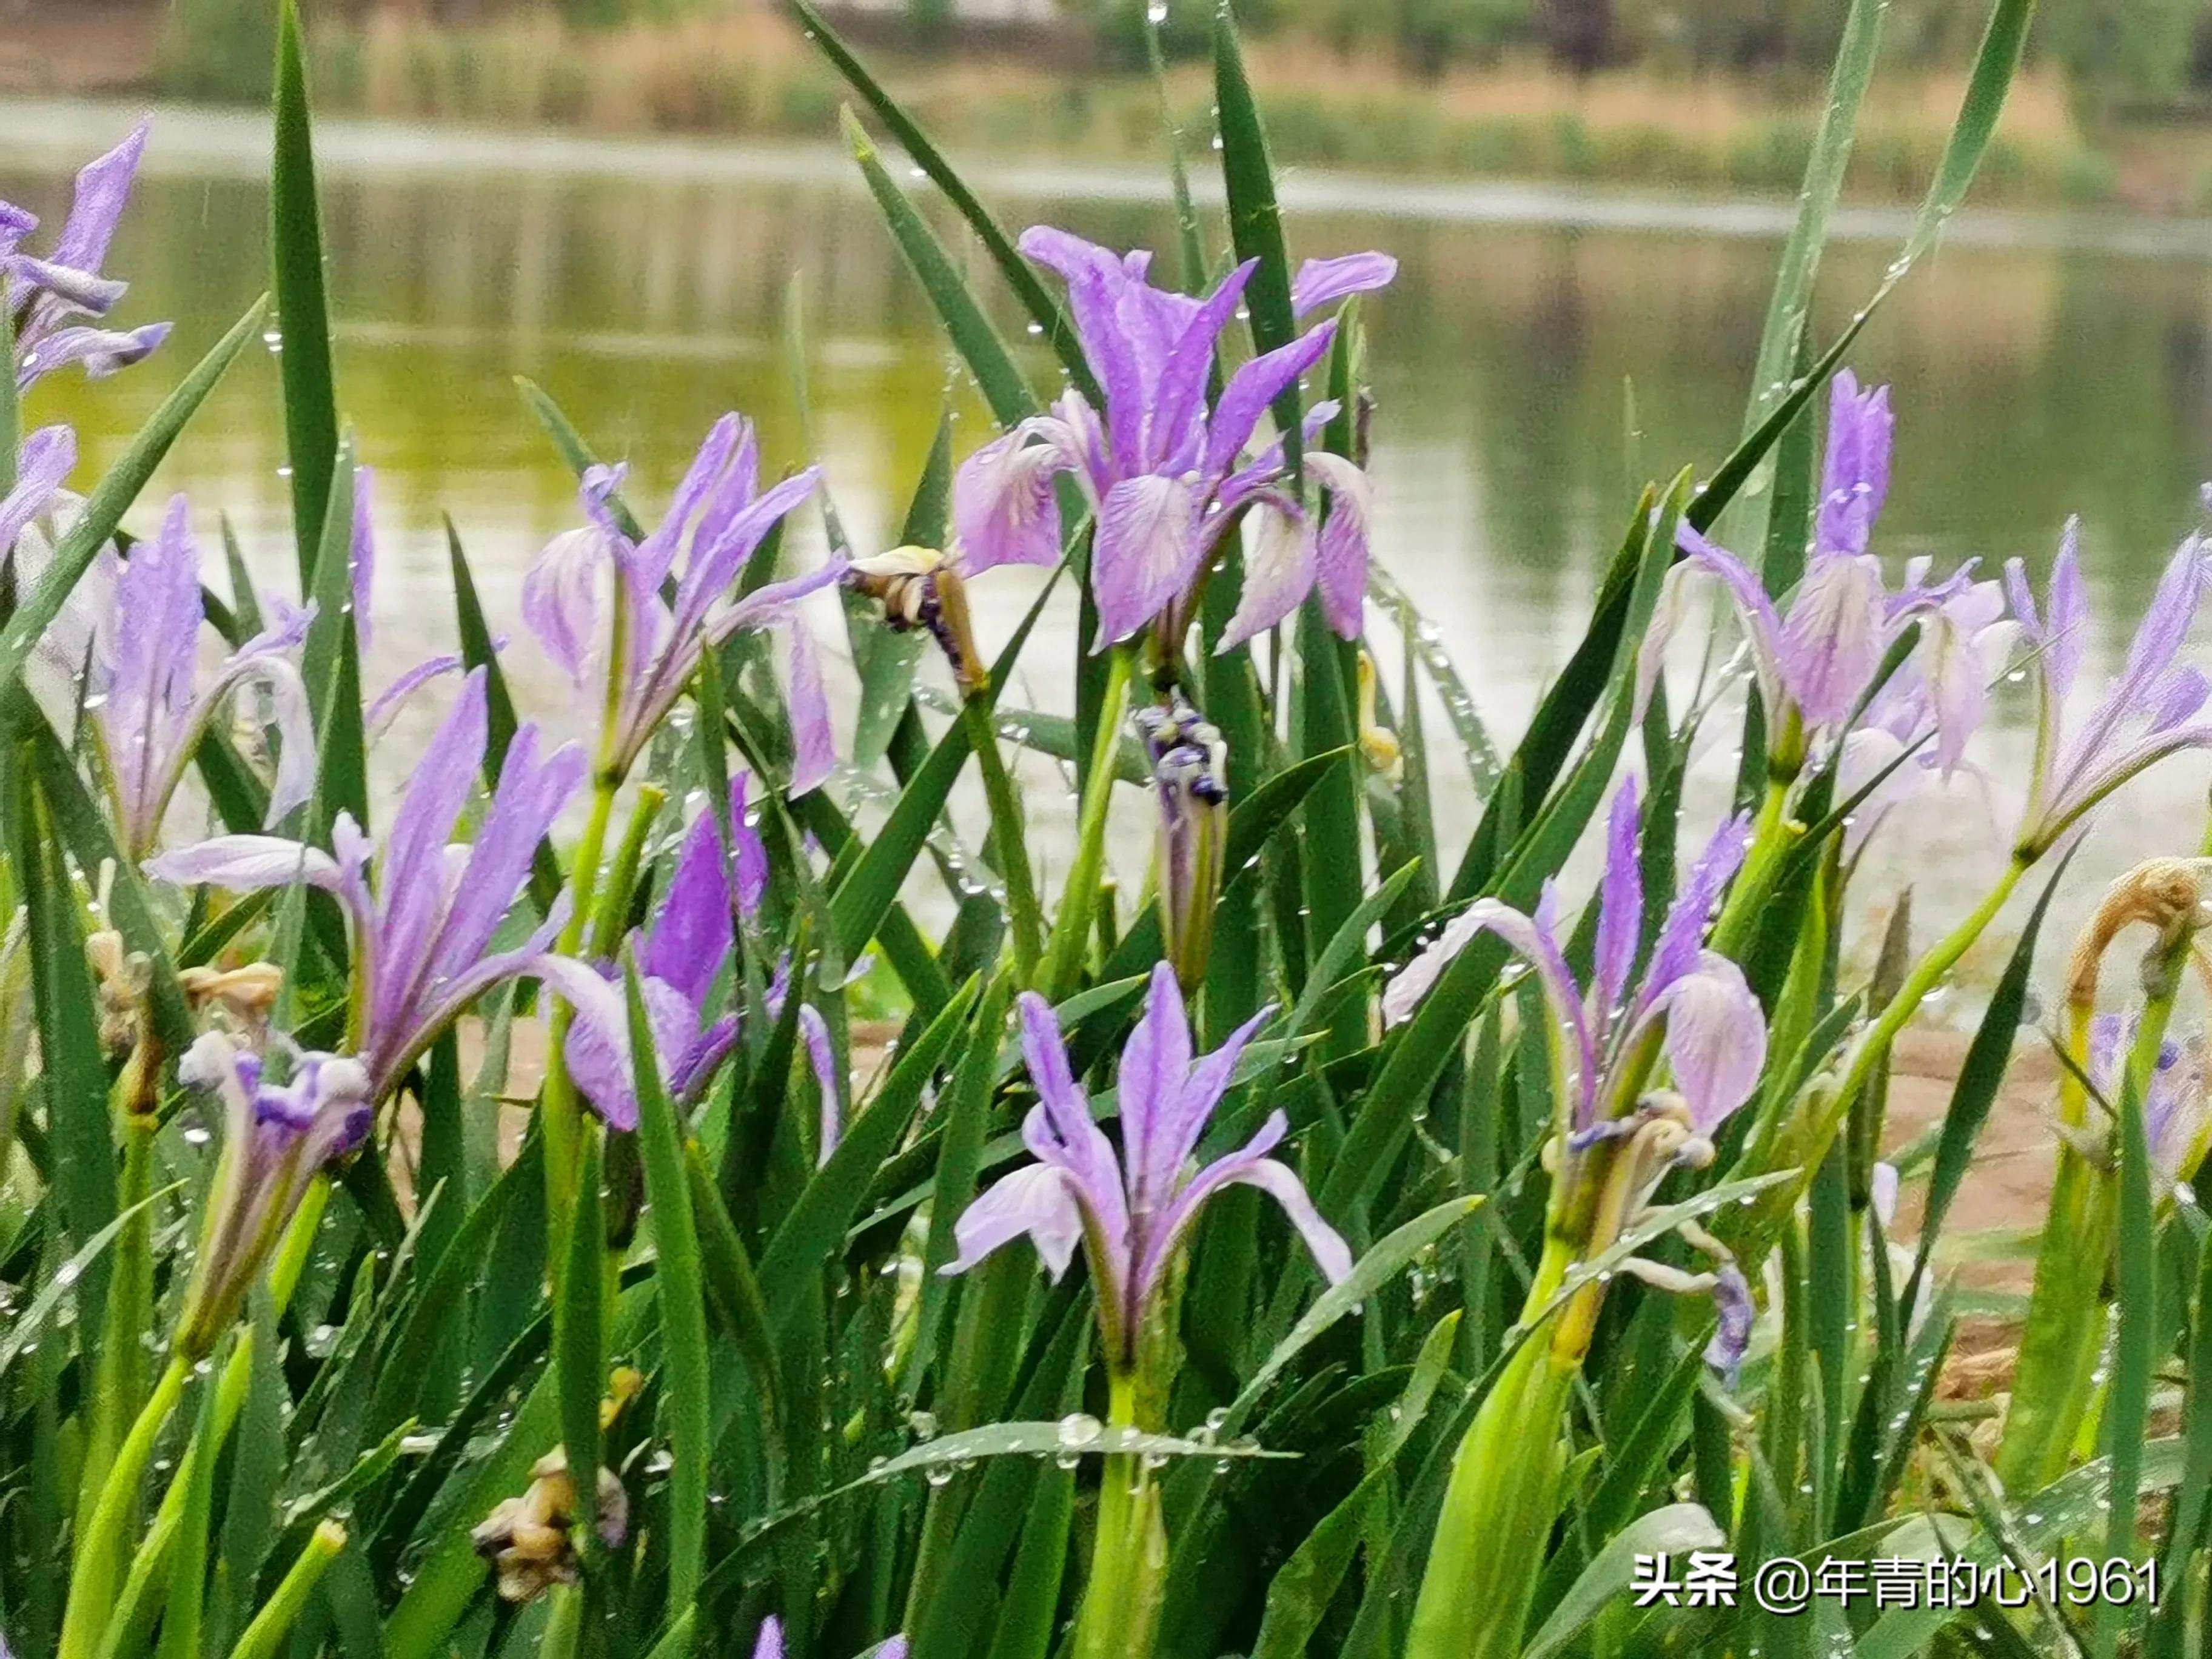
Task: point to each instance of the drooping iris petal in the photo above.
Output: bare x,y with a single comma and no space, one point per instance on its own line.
1715,1038
1155,1061
1248,1166
1004,508
1280,563
1036,1200
814,1032
1253,388
814,750
246,863
1343,553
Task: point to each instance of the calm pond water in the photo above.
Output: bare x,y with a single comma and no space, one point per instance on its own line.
2042,365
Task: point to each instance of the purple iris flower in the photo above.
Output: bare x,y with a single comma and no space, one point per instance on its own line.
1817,658
1131,1211
678,958
1714,1033
2149,711
42,461
148,709
276,1137
45,294
2174,1109
422,932
770,1643
1164,475
593,598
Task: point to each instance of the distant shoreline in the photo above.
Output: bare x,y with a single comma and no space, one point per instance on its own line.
204,141
748,75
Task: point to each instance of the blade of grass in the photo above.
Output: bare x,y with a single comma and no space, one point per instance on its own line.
678,1284
963,317
1035,298
295,248
1255,223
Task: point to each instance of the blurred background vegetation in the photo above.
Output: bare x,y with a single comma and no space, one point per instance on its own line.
1716,94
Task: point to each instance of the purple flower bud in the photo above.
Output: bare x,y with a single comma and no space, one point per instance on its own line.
44,293
1190,785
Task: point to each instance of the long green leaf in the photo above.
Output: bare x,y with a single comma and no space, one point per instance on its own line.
1035,299
1255,223
296,246
678,1286
112,498
964,318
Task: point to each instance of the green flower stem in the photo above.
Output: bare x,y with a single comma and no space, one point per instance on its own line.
1008,846
99,1545
1128,1564
262,1638
1806,1137
1070,927
120,1384
1502,1497
559,1112
613,907
1772,837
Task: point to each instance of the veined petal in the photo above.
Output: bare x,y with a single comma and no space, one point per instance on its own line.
1062,1131
1037,1199
1149,1089
385,706
1715,1038
814,749
1004,509
1620,905
1321,281
155,654
1280,562
1174,425
1109,331
1146,552
770,1644
566,596
1832,641
1762,627
410,879
1343,554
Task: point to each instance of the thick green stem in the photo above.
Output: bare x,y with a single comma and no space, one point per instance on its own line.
120,1384
1498,1510
1008,846
281,1611
92,1583
1772,835
1071,928
1128,1565
558,1109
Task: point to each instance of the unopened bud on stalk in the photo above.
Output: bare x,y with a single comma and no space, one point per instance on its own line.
918,588
1191,783
1378,744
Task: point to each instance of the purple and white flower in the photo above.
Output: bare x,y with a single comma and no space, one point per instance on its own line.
679,956
595,600
46,295
422,930
2177,1114
1714,1034
1164,475
2151,709
149,711
1131,1211
276,1137
1815,661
